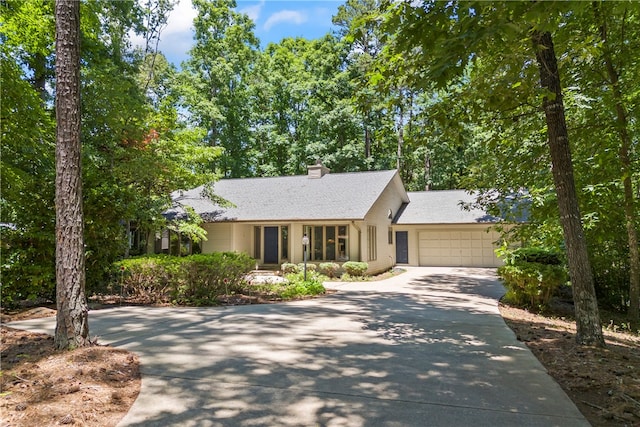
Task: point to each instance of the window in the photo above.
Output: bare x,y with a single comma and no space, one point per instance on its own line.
257,242
390,236
343,248
317,243
373,243
284,235
328,242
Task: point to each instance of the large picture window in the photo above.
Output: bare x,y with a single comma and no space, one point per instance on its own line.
328,242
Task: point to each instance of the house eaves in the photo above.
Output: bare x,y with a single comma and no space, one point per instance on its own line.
332,197
442,207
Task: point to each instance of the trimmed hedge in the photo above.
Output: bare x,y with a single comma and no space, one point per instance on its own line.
288,268
329,269
355,269
191,280
310,267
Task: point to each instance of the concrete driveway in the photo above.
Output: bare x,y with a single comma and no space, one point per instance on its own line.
425,348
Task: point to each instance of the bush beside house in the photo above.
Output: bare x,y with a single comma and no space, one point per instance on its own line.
191,280
201,279
355,268
531,276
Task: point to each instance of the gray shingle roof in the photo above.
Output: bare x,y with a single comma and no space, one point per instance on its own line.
442,207
340,196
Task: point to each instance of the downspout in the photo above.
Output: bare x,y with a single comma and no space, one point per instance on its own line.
359,239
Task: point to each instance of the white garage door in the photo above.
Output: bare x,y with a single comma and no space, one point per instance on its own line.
458,248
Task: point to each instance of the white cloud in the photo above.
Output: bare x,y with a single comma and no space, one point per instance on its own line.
253,12
284,17
176,37
181,19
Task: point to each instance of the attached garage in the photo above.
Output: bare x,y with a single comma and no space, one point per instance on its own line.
441,228
455,247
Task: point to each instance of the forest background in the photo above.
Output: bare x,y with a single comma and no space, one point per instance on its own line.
447,93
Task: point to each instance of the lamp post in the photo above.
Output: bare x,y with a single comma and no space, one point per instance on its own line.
305,242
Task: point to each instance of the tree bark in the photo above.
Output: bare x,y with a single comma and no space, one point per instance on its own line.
625,160
589,329
427,171
72,327
400,134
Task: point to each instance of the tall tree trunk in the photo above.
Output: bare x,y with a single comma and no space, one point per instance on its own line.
72,327
625,160
400,146
427,171
38,65
367,140
589,329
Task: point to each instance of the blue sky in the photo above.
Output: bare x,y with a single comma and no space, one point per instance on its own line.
274,20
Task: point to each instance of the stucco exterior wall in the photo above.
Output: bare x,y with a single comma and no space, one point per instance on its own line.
219,237
381,216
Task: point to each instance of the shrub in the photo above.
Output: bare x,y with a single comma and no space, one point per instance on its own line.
147,279
194,280
531,254
288,268
27,267
310,267
298,287
532,284
329,269
206,276
354,268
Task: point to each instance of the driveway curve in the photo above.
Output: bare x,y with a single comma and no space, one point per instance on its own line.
424,348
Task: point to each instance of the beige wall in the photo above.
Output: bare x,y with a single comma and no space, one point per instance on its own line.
451,245
240,236
219,237
381,216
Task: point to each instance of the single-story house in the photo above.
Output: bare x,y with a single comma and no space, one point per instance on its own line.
358,216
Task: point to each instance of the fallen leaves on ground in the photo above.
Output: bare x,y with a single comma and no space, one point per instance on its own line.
41,386
604,383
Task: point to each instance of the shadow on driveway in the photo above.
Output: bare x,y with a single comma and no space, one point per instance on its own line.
428,349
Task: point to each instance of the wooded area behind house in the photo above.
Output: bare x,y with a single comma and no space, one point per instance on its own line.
449,93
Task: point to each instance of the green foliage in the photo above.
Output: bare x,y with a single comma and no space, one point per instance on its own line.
192,280
329,269
294,287
531,275
310,266
288,268
27,214
462,114
298,287
532,284
354,268
530,254
189,225
27,271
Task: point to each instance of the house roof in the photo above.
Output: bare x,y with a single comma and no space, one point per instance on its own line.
340,196
442,207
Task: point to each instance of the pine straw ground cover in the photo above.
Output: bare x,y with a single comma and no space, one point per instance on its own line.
96,386
603,383
39,386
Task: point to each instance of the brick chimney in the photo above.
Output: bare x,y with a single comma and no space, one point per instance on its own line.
317,171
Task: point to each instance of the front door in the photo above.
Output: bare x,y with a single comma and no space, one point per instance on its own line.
271,245
402,247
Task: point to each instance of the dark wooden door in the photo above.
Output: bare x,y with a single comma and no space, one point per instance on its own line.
402,247
271,245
